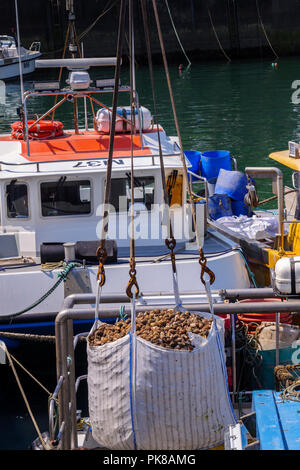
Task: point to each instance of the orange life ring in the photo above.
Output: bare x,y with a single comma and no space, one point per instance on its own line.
41,130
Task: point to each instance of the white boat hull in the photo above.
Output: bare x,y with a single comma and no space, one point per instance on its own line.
9,68
153,278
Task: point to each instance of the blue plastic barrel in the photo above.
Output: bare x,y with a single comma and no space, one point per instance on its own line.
239,208
219,205
194,158
232,183
213,161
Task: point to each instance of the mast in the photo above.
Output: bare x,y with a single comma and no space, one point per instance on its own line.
19,52
73,48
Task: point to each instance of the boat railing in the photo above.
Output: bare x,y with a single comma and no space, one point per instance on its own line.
35,46
200,179
67,384
276,175
77,160
68,95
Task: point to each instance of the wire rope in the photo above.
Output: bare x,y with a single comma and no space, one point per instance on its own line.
175,31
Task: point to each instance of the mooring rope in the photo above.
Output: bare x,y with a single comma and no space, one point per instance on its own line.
46,446
264,31
216,35
175,31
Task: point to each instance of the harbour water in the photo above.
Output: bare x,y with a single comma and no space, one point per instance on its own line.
245,107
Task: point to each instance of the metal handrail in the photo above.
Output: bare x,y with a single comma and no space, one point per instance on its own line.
274,173
68,94
202,179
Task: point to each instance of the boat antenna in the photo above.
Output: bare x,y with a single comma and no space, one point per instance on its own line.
19,52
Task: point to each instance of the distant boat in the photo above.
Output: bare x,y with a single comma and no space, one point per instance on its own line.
9,57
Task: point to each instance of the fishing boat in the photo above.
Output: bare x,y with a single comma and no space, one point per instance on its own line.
100,221
11,55
52,189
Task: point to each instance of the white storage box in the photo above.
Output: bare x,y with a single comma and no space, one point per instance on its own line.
104,117
287,275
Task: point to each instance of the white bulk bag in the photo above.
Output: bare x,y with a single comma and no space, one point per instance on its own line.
178,401
104,117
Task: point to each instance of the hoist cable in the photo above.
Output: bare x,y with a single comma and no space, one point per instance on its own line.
132,271
170,240
202,259
101,251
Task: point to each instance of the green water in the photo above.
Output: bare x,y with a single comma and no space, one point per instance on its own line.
245,107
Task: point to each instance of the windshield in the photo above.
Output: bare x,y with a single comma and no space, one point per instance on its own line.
7,41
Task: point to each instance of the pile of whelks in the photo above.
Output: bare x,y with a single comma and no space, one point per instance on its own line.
167,328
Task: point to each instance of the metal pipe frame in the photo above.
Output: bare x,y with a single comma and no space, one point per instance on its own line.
65,346
48,112
272,172
67,93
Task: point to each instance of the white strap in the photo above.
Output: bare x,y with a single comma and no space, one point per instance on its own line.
178,303
98,297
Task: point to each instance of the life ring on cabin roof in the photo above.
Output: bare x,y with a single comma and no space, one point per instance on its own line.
40,130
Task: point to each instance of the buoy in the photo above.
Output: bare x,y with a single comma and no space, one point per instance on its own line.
181,67
41,130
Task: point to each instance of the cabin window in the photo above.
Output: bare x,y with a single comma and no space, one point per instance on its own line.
65,197
120,193
17,200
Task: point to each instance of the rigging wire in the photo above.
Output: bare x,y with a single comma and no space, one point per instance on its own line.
84,33
87,30
175,31
264,30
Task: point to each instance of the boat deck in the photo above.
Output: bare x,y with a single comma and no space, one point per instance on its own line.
87,144
277,421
